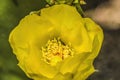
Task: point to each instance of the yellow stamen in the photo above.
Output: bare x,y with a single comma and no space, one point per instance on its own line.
55,51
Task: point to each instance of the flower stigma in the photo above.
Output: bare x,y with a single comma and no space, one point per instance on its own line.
56,51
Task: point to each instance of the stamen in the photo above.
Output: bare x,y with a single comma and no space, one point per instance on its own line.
55,51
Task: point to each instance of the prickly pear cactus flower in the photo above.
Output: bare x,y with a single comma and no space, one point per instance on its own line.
56,43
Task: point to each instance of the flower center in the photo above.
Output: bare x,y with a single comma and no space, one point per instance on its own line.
56,51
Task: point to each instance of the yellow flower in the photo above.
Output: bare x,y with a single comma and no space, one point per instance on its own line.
56,43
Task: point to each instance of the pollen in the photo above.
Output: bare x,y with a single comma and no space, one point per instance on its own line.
55,51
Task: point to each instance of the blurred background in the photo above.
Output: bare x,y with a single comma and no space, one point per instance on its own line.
104,12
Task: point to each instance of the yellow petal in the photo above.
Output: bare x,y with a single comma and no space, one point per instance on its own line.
70,64
70,26
95,32
26,40
96,35
61,21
